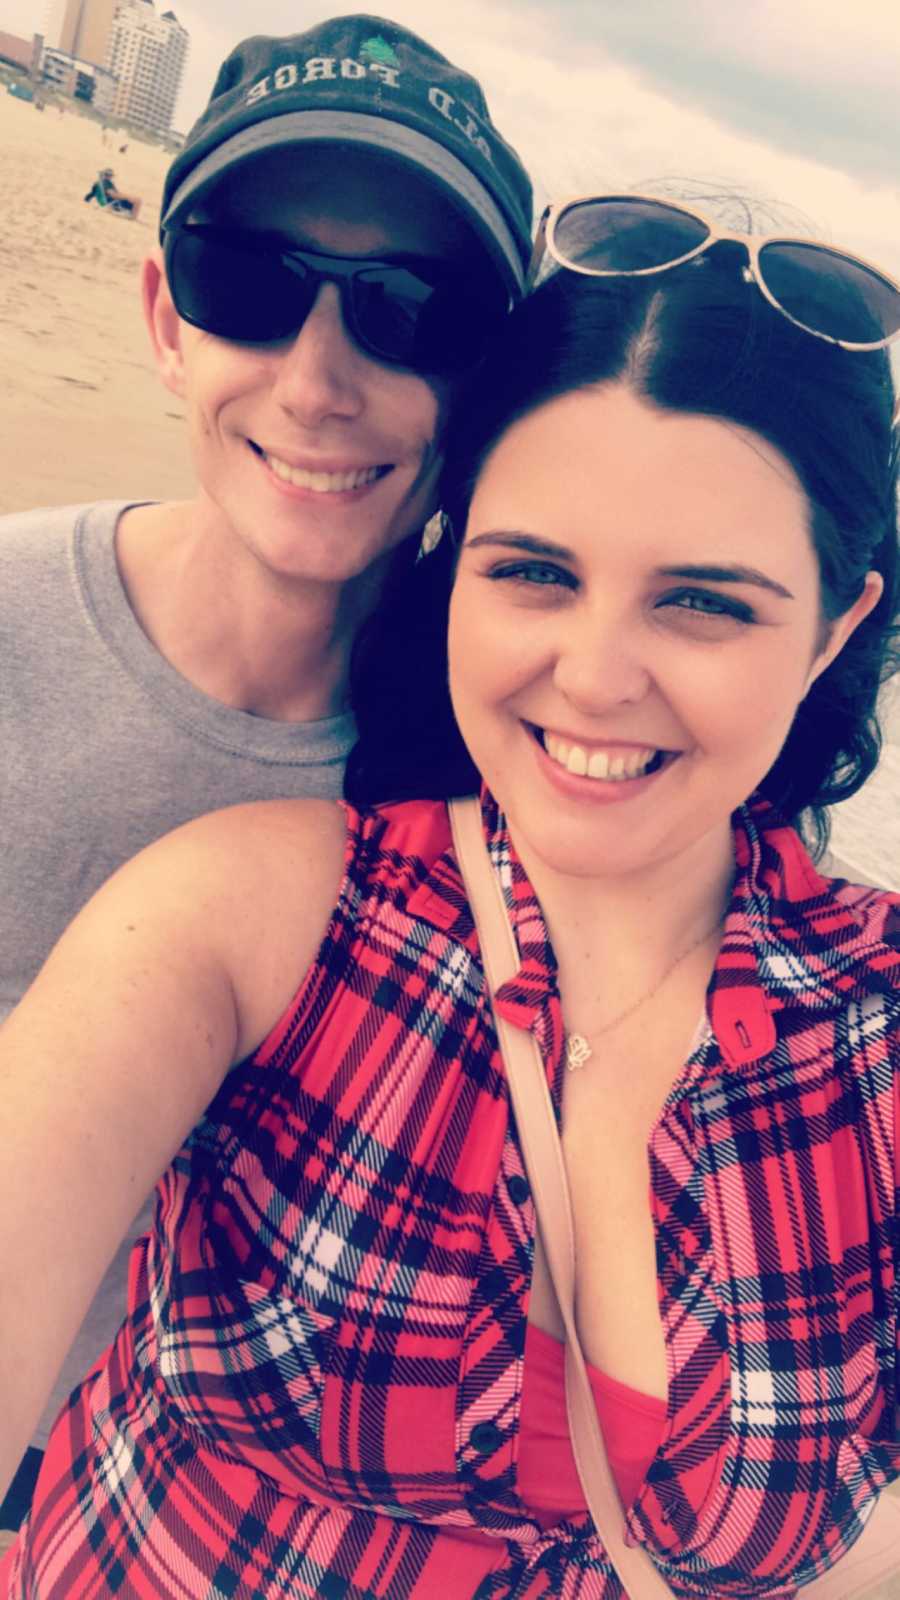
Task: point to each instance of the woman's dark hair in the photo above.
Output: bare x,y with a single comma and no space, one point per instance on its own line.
701,340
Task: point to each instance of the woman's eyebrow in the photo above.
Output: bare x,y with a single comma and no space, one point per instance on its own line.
522,541
726,575
513,539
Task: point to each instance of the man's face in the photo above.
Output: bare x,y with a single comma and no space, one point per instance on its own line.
316,458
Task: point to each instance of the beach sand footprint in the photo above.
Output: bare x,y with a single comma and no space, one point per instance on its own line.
79,383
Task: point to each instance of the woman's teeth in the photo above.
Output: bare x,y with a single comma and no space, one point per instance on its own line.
323,482
600,763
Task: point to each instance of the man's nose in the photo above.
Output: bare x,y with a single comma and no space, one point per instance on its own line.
321,372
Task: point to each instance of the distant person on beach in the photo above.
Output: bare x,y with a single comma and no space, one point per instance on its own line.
646,649
340,232
106,192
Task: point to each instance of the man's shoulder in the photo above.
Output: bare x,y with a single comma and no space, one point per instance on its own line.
35,565
45,556
31,536
40,518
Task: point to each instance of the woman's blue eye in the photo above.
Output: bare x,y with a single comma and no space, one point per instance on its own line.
707,604
536,572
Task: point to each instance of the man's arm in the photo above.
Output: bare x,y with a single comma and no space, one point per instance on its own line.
177,968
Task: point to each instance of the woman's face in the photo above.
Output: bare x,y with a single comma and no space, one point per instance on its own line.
635,620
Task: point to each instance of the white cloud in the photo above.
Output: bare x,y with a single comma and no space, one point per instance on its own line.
588,121
828,42
600,126
582,119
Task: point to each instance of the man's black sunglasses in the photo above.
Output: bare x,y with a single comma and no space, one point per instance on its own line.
408,311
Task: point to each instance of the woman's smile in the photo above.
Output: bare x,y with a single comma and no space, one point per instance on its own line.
615,763
597,773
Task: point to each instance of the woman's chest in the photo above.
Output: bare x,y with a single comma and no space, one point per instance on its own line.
353,1261
610,1109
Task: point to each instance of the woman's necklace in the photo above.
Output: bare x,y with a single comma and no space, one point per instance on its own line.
578,1050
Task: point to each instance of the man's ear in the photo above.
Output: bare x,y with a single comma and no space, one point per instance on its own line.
842,627
163,323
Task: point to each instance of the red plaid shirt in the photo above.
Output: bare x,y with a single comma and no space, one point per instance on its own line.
317,1390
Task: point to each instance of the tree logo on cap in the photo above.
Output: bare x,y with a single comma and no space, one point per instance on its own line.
378,49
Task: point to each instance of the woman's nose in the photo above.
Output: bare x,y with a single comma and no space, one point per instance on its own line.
601,663
321,372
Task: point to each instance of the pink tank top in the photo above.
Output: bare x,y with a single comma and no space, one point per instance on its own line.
632,1425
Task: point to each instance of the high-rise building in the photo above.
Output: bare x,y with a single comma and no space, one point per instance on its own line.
147,53
54,16
83,80
81,27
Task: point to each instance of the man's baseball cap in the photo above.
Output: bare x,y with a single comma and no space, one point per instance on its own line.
362,81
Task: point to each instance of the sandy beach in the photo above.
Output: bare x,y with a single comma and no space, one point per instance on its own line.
82,413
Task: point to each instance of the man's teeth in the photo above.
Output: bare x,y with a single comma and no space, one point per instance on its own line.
598,763
322,482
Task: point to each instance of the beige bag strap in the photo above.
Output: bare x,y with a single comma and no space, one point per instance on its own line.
875,1557
536,1124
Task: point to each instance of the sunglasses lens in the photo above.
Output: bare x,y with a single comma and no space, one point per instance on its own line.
438,326
626,235
830,293
456,325
232,289
387,304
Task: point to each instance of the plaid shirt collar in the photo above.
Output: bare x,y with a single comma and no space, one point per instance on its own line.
789,939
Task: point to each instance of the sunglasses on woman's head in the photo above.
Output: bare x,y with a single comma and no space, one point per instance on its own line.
826,292
408,311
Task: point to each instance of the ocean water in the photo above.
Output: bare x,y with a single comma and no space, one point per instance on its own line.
865,832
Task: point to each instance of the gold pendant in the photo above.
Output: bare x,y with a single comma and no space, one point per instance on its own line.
578,1051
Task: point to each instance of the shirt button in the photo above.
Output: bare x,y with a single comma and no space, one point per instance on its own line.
486,1438
519,1190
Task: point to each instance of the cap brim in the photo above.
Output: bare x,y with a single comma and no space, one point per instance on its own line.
377,133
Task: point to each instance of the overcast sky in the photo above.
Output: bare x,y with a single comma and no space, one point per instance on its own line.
793,100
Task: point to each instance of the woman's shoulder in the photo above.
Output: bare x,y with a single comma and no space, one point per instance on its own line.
315,858
257,837
395,890
413,824
857,950
308,857
875,910
779,861
418,829
861,919
845,935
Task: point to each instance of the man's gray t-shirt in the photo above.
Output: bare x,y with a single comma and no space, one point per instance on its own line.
105,747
